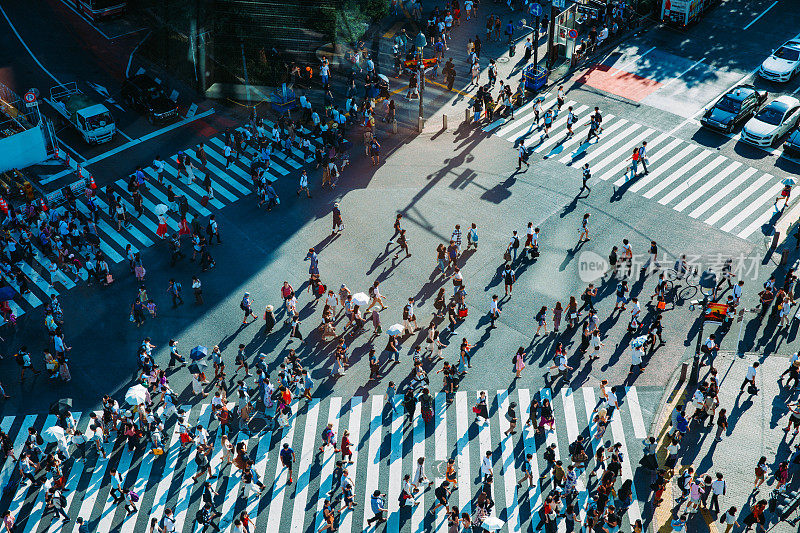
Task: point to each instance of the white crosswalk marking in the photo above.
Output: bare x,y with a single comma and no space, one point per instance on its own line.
571,157
653,157
634,512
672,177
556,139
387,444
720,195
621,151
485,445
738,199
697,177
666,167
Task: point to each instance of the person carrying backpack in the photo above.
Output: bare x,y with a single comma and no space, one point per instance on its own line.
174,290
246,305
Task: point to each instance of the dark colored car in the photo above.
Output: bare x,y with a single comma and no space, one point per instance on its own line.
792,144
143,93
734,108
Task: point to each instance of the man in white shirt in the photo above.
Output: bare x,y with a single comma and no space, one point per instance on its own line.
486,465
717,489
116,486
494,311
750,379
737,291
303,184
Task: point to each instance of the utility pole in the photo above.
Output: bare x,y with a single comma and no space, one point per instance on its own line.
551,52
536,42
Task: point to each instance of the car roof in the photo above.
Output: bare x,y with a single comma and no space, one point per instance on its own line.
784,102
144,81
741,92
794,42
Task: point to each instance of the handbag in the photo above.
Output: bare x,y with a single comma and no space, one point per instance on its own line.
507,256
476,410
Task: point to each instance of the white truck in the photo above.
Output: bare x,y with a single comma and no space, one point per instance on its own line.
684,12
87,115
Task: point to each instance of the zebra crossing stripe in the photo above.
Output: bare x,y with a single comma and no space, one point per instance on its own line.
223,175
695,178
417,452
585,144
555,141
764,217
681,156
507,463
568,401
31,298
594,439
194,187
224,183
280,487
634,512
485,445
232,492
529,440
440,452
89,497
522,120
462,452
635,408
373,455
395,469
109,507
184,491
150,206
304,466
601,150
655,156
162,197
220,468
328,459
523,114
22,488
354,426
259,469
622,165
704,155
171,460
738,199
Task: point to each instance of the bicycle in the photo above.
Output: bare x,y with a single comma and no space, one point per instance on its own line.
690,277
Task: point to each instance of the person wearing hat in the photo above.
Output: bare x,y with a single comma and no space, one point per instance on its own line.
338,225
246,306
269,319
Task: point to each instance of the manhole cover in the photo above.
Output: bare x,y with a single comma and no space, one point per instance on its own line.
502,59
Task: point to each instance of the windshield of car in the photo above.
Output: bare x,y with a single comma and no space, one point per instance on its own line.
790,54
99,121
770,115
729,105
154,91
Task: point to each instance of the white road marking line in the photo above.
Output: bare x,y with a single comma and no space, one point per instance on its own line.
738,199
752,206
395,466
761,15
417,451
440,452
354,426
3,11
329,457
556,138
624,68
522,118
653,158
663,167
680,75
529,440
304,466
720,195
623,163
185,489
373,456
507,464
765,217
669,180
683,186
462,452
572,159
634,512
632,399
279,486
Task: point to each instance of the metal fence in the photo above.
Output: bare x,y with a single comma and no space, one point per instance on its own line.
14,115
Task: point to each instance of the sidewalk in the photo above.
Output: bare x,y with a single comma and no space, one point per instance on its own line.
755,429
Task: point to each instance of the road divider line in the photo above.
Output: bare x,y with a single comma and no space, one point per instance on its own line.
761,15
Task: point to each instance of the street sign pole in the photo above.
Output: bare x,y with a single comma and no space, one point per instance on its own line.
551,37
536,42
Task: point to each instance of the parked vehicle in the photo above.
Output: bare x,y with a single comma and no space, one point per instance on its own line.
783,63
684,12
733,108
100,9
142,92
792,144
772,122
87,115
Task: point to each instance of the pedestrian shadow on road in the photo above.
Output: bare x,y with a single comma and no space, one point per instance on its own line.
620,191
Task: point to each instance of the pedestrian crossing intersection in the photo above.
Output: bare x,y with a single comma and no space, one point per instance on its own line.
228,185
386,446
684,176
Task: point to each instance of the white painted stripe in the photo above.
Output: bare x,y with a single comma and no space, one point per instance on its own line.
73,478
106,518
280,487
223,175
703,156
22,490
171,455
555,139
259,468
417,451
624,68
36,278
522,121
726,190
523,113
601,149
151,207
552,438
270,176
764,217
112,232
773,4
354,426
186,487
528,436
653,158
234,168
373,456
328,458
624,164
89,496
694,178
218,189
304,466
555,142
36,509
611,125
146,222
634,511
234,484
608,129
507,464
571,417
162,196
676,159
440,451
485,438
632,399
180,183
462,451
738,199
395,468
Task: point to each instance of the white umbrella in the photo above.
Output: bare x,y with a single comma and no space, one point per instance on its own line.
790,182
638,342
492,524
53,434
161,209
396,329
360,298
136,395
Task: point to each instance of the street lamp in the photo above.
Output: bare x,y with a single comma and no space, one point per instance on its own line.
420,42
708,285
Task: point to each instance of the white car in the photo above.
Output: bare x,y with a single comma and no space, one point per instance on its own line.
772,122
783,63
